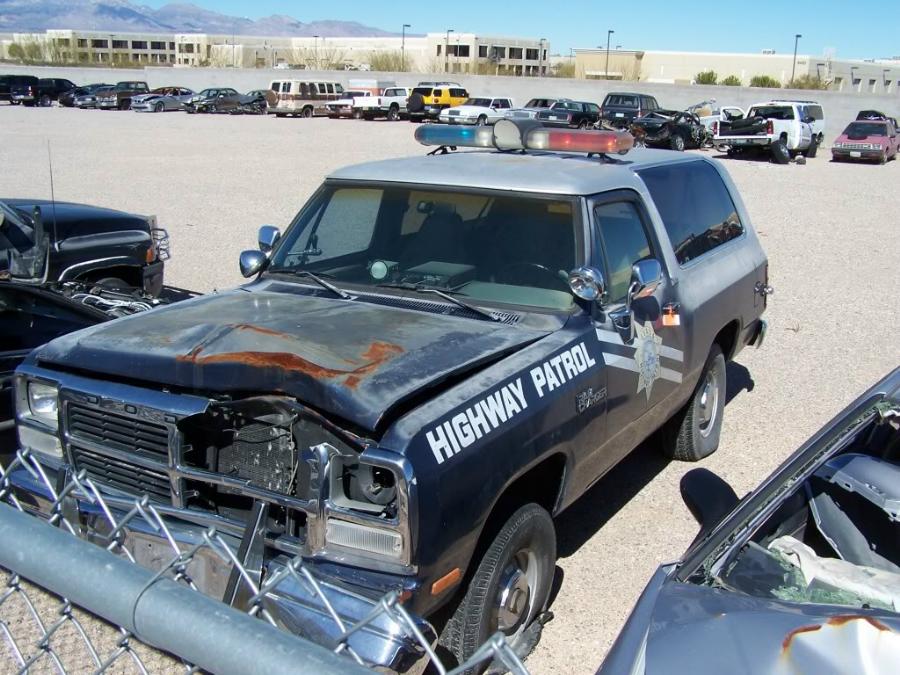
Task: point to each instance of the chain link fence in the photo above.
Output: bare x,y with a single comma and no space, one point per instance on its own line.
78,596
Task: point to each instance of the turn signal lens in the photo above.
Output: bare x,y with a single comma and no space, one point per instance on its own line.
585,140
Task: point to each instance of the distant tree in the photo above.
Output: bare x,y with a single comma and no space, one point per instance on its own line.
808,82
566,69
16,51
388,62
706,77
731,81
764,81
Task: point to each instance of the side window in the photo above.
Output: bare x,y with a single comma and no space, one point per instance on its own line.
594,108
338,89
695,206
329,88
624,242
437,93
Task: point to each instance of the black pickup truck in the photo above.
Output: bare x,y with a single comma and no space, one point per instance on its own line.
439,355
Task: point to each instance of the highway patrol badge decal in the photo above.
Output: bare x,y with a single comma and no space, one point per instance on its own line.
646,356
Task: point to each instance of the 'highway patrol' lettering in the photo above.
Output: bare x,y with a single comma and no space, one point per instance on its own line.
561,368
478,420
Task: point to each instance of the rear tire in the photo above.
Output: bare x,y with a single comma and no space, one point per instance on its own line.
583,124
693,433
306,113
46,101
780,154
393,113
125,104
510,587
481,121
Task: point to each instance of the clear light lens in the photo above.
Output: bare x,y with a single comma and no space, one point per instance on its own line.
43,402
373,540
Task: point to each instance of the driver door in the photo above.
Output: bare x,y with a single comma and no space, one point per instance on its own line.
630,333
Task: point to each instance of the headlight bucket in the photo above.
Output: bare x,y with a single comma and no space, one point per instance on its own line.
38,402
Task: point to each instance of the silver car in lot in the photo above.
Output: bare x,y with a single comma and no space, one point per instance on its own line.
162,99
802,575
89,98
531,109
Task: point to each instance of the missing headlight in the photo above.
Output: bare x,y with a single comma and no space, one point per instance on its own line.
363,487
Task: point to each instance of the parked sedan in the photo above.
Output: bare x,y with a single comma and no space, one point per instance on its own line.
478,111
801,575
219,99
873,140
574,114
531,109
89,98
162,99
67,98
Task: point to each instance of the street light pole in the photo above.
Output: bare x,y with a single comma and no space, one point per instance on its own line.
403,47
608,34
316,50
794,65
541,57
447,51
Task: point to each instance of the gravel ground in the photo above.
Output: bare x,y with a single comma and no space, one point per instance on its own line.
830,231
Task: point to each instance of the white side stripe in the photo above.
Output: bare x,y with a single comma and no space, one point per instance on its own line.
616,361
671,353
613,338
669,374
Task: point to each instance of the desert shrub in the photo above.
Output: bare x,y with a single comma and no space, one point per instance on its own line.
808,82
731,81
764,81
389,62
706,77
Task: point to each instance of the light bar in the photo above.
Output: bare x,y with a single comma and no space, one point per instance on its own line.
514,135
463,137
580,140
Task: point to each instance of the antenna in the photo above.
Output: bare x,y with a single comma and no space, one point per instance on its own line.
52,191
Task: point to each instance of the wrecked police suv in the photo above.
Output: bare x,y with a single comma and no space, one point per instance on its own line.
438,355
800,576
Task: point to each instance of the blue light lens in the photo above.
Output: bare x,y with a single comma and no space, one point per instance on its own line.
467,137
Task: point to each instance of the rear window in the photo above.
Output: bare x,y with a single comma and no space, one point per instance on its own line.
621,100
424,91
815,111
459,93
774,112
696,207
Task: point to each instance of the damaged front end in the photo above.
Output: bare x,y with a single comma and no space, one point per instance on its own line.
277,480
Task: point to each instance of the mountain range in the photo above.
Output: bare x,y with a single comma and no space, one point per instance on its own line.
126,16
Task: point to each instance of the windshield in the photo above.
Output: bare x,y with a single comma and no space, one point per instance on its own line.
351,94
862,129
480,102
566,105
485,247
540,103
19,257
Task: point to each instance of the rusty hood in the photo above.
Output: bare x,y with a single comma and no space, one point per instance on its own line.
350,358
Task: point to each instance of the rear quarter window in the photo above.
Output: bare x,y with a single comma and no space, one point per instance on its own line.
695,206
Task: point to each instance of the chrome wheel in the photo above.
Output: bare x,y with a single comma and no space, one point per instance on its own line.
709,403
515,593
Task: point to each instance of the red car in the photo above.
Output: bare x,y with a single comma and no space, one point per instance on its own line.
870,139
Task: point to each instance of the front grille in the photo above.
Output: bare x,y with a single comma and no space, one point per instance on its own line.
122,475
118,431
856,146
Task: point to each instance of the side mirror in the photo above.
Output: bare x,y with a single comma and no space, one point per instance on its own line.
252,263
587,284
645,277
708,497
809,120
267,238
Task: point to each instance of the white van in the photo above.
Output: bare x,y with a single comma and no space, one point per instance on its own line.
303,98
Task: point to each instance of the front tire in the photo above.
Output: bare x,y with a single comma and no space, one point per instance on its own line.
46,101
159,107
306,113
694,432
813,148
677,142
510,588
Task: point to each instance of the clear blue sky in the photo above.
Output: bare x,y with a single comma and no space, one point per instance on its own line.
707,25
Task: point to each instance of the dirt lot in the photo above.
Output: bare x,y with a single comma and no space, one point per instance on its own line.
830,230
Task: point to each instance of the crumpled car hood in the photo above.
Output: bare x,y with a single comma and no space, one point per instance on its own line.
699,630
352,359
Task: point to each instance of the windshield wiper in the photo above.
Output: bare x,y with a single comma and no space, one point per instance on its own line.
319,280
445,295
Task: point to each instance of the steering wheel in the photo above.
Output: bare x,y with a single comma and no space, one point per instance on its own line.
525,272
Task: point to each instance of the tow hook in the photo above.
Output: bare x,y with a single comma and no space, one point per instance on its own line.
763,289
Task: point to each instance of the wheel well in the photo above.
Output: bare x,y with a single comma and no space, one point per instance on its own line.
727,339
130,275
783,136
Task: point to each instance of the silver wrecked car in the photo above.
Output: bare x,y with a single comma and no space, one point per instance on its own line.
801,575
162,99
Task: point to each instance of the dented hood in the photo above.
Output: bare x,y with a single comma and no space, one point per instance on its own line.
350,358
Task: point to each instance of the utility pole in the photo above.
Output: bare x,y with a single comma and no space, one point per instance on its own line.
447,51
608,34
541,57
794,65
403,47
316,50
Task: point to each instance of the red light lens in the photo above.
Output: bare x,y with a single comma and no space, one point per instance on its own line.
580,141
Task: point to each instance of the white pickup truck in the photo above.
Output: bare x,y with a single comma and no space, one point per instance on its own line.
782,128
391,104
345,107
